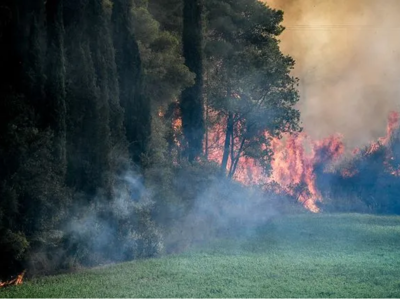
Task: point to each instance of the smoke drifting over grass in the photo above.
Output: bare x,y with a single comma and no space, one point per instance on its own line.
114,229
226,209
347,58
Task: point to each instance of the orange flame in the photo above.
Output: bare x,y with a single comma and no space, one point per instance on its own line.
297,159
393,124
294,170
16,281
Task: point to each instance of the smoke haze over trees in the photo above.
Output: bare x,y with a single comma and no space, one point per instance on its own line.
124,124
347,54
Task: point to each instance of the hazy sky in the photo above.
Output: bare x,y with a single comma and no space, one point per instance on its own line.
347,56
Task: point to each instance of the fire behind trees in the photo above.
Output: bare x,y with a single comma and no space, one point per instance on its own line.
320,173
86,172
93,168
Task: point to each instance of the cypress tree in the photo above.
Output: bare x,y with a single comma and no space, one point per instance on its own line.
12,107
31,185
87,120
137,109
191,103
55,113
118,142
98,35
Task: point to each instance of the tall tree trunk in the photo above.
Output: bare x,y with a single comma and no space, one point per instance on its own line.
191,103
228,141
235,160
206,116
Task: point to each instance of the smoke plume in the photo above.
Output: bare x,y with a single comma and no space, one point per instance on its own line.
347,59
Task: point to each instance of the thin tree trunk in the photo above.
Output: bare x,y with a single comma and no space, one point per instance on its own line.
236,160
232,147
206,117
228,134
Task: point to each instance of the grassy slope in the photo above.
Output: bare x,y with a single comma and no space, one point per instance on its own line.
303,256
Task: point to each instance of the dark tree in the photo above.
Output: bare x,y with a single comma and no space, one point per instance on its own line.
55,108
136,105
168,13
191,103
32,143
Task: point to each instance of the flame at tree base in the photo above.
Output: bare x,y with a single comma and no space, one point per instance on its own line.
16,281
297,161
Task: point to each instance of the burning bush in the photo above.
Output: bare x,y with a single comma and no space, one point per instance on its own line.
372,188
368,181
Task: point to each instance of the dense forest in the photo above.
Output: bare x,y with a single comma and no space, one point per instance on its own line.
94,165
109,111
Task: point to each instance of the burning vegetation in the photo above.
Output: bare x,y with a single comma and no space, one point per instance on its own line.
124,120
15,281
299,163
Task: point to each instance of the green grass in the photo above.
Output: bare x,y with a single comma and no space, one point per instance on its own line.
306,256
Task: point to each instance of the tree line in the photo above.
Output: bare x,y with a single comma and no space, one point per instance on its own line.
92,165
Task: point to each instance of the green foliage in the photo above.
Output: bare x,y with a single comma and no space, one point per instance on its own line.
159,174
165,74
148,241
169,14
32,145
175,187
86,167
248,78
88,100
64,133
136,104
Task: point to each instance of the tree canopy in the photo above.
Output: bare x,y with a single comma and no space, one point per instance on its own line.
104,106
249,85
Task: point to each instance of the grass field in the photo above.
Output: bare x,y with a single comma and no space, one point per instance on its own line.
307,256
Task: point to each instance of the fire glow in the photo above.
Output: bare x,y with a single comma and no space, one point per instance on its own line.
16,281
296,158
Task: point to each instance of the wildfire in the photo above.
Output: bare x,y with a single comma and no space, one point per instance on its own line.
297,160
16,281
294,169
393,124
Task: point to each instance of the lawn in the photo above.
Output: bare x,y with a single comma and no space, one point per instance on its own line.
306,256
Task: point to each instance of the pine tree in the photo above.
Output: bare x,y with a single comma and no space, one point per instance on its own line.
248,79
